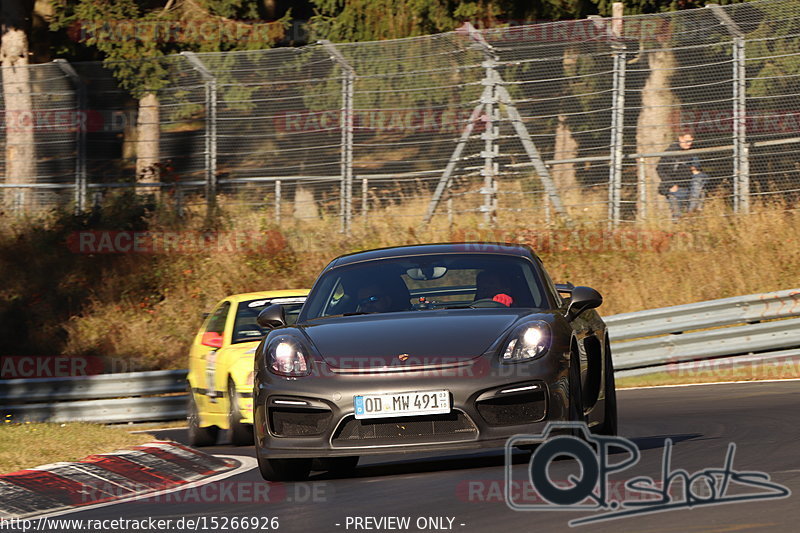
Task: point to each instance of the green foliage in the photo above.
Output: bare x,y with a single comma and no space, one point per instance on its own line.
373,20
776,36
134,36
130,58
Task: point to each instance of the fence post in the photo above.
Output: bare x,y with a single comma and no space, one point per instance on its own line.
348,88
278,202
364,199
641,181
445,180
211,129
618,48
489,135
449,210
617,132
741,155
80,134
742,162
179,204
496,93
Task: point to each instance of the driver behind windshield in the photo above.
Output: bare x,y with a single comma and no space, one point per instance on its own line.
387,295
490,285
373,299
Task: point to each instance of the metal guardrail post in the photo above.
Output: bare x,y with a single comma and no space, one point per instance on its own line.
741,155
346,124
80,134
211,129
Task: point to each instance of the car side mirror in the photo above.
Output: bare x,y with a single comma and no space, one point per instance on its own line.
272,317
583,298
211,339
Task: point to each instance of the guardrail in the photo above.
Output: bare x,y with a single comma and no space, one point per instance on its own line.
757,323
107,398
761,326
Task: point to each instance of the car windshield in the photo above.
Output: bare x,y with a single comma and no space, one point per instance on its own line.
245,327
427,282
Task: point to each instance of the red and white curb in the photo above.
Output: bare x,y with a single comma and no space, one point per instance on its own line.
141,470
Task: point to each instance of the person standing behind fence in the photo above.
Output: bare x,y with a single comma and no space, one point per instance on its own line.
682,178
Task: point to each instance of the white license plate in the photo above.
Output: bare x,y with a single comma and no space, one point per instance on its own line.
402,404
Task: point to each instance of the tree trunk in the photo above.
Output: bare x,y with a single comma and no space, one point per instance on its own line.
566,147
148,135
654,128
128,120
20,153
304,204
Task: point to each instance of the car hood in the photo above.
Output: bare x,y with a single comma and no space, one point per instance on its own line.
426,337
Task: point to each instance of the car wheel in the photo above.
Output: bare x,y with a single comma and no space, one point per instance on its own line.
283,469
198,435
610,421
339,466
240,434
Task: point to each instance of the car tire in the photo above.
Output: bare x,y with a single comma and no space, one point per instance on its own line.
198,435
283,469
339,466
576,413
610,420
240,434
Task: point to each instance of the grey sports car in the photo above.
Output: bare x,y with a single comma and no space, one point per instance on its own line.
428,347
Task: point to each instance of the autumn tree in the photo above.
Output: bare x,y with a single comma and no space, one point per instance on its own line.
20,155
135,36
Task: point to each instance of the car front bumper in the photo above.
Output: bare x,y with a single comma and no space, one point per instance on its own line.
313,416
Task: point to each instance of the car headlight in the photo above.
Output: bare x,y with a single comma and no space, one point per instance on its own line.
286,358
527,342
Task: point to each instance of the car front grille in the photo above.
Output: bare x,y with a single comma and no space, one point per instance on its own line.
450,427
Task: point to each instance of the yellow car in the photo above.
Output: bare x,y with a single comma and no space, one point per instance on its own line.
221,365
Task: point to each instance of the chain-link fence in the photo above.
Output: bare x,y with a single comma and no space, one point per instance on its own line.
574,120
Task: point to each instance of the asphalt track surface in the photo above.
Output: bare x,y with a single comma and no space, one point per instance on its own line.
761,418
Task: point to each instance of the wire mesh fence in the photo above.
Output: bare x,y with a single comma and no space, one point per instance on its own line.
574,120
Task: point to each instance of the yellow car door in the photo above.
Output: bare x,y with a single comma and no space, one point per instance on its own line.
204,359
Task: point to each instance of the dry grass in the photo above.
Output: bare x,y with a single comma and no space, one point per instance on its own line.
146,307
30,445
